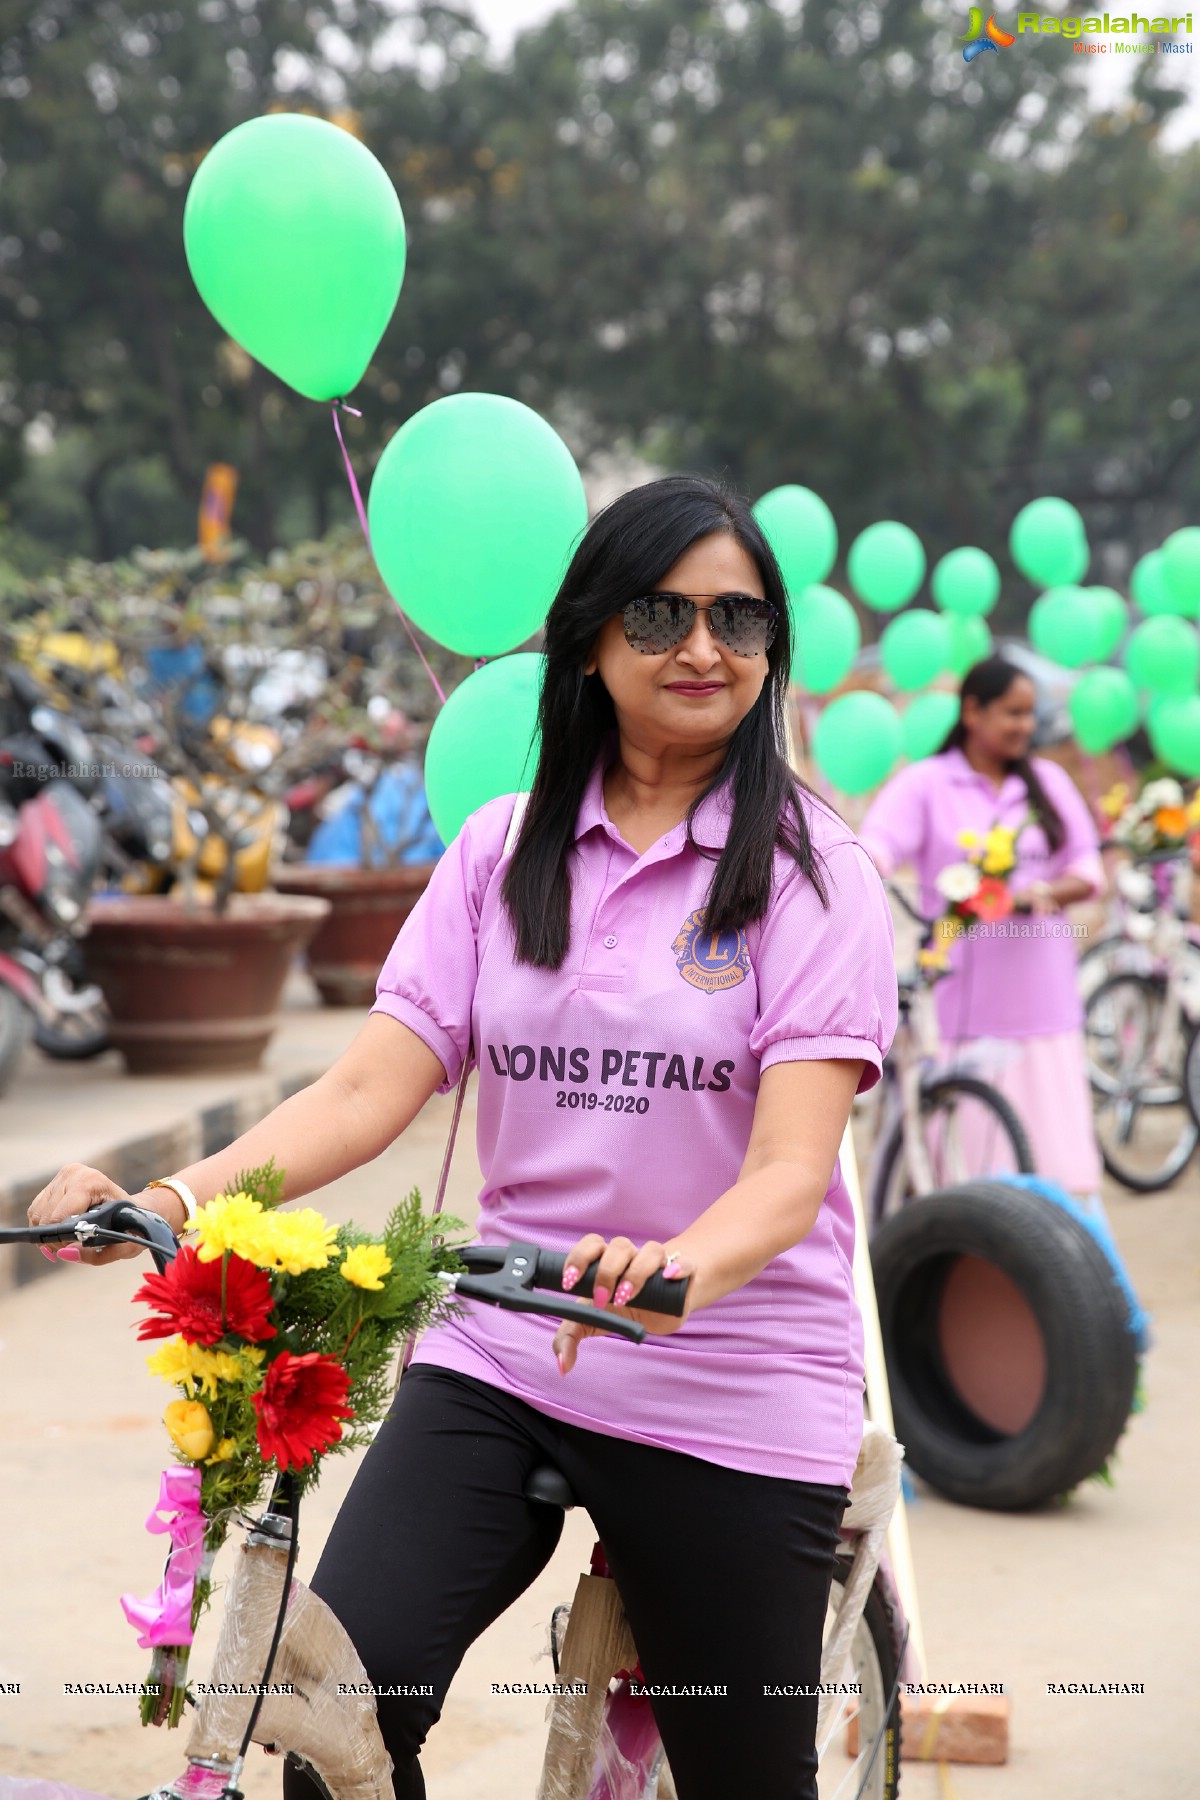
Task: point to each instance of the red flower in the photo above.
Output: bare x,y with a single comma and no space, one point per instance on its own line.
300,1407
187,1299
991,900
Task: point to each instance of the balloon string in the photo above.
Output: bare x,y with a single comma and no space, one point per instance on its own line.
340,406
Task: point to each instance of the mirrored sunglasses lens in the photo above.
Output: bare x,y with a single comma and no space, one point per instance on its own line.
747,626
655,622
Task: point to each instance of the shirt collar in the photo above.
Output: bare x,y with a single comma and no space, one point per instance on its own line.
710,826
962,774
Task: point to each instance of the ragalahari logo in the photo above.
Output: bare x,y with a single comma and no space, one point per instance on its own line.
984,37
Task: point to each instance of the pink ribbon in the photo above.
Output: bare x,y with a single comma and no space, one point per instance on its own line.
165,1617
340,406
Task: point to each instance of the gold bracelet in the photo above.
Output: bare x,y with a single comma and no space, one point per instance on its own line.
182,1193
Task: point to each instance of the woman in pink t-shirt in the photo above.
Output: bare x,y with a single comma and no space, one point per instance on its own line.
673,984
1011,1004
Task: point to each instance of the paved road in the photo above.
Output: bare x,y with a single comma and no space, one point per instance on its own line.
1105,1588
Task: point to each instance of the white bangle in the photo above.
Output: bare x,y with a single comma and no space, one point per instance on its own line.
182,1192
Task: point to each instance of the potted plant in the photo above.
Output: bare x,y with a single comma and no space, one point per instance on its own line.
192,963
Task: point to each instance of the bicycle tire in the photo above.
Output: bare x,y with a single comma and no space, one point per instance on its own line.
1156,1101
934,1097
91,1038
875,1659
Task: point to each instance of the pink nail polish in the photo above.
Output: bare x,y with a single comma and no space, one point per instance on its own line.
600,1296
621,1297
561,1366
569,1277
672,1269
47,1252
69,1253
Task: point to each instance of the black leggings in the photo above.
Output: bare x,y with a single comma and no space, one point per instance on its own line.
724,1577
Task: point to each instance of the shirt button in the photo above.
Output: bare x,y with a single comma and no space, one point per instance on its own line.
610,943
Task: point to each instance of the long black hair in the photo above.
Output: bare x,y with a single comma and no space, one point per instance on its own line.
626,550
986,681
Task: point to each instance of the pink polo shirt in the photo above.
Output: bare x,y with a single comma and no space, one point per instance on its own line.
617,1095
1017,980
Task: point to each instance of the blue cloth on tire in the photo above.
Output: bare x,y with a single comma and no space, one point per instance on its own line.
1097,1224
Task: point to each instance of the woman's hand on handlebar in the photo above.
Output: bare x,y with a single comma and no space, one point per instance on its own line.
623,1271
76,1189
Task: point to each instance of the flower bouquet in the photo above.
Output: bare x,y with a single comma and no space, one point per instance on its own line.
1158,821
281,1331
975,890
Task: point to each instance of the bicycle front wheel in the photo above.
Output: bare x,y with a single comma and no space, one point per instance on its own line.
1144,1125
970,1131
858,1757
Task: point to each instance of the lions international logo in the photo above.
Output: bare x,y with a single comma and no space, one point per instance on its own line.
710,960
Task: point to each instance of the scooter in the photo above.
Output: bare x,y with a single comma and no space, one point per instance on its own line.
50,849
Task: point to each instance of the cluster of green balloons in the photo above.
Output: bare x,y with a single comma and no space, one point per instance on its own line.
295,238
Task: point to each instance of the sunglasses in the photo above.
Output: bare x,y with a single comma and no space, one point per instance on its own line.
657,622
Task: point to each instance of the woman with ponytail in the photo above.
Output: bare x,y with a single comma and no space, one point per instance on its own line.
1011,1000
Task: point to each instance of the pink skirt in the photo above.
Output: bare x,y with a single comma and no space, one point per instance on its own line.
1045,1079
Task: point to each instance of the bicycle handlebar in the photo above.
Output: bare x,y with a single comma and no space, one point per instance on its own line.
501,1275
917,917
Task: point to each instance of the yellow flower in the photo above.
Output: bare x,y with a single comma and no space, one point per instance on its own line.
190,1428
295,1241
932,957
192,1367
228,1222
950,927
968,839
366,1265
223,1452
1112,805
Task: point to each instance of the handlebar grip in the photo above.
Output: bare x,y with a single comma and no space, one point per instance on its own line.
657,1295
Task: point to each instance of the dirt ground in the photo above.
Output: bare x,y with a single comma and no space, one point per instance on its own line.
1105,1588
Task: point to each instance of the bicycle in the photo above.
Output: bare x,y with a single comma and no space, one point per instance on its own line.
937,1125
1140,1021
286,1676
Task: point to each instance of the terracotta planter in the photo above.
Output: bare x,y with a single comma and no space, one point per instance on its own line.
193,991
367,909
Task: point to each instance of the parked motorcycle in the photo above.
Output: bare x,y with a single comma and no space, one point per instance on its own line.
50,850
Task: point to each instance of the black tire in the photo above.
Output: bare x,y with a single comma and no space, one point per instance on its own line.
876,1641
1123,1101
892,1188
16,1025
1067,1281
86,1035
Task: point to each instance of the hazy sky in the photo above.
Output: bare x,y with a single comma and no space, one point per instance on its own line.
1107,76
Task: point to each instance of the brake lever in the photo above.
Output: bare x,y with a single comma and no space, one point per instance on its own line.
511,1286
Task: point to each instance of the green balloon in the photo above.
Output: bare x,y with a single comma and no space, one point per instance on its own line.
1110,617
970,642
966,581
1148,585
1048,542
826,638
1104,709
1064,626
801,531
1174,732
915,648
475,509
886,565
484,741
295,239
857,741
1181,568
925,723
1163,654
